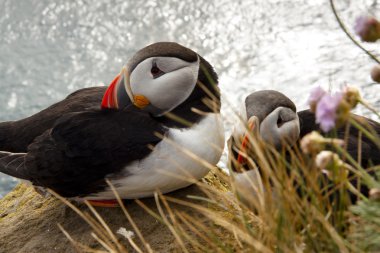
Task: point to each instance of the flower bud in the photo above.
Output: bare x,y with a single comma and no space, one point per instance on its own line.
332,166
367,28
374,194
324,159
312,143
352,95
342,113
375,73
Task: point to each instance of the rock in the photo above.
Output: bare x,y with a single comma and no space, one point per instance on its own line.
28,222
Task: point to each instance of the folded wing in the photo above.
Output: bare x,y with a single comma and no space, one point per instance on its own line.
74,157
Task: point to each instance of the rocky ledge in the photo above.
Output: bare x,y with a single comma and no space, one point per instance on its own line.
29,222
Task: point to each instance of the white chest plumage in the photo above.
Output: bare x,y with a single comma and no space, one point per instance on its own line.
170,167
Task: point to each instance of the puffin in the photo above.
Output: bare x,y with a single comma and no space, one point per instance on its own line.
157,127
274,117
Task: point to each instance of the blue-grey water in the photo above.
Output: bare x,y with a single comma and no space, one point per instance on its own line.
50,48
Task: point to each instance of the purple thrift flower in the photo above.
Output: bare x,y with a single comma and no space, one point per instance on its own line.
315,95
367,28
326,111
360,24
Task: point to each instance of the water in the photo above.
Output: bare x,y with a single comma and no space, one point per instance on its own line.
49,49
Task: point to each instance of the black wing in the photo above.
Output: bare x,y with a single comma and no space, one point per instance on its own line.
15,136
74,156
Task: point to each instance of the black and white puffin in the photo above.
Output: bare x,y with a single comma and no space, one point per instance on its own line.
276,120
163,104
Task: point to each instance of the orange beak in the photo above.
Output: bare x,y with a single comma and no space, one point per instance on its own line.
140,101
243,149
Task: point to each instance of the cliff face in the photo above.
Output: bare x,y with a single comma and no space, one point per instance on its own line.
28,223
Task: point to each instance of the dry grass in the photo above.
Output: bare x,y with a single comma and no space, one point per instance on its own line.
293,207
299,210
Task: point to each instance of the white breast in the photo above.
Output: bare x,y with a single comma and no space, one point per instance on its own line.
170,166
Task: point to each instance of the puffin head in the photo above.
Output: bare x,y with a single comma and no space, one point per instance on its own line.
276,116
163,77
270,115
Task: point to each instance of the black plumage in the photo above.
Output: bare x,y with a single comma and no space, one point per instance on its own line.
74,157
15,136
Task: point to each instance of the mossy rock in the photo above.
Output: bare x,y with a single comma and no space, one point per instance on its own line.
28,221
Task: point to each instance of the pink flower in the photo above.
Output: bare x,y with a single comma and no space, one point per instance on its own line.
333,110
315,95
367,28
326,111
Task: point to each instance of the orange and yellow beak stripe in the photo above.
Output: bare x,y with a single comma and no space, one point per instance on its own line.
140,101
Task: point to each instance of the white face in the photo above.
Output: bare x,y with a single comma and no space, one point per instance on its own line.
165,81
281,125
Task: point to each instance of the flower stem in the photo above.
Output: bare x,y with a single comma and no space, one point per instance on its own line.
355,191
360,171
369,107
365,132
342,26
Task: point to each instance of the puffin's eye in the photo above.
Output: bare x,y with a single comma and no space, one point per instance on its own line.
156,71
